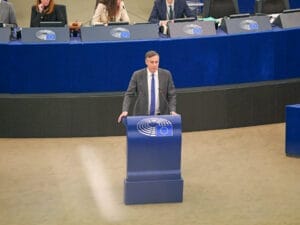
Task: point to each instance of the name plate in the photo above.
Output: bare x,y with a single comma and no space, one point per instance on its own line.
192,29
246,24
119,32
45,35
288,20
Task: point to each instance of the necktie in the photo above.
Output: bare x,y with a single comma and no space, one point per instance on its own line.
152,103
170,13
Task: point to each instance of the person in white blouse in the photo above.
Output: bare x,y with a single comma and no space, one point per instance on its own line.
110,11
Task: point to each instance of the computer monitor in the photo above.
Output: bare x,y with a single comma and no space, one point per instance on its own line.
52,24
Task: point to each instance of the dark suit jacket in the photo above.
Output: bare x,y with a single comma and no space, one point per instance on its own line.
59,14
159,10
138,89
7,13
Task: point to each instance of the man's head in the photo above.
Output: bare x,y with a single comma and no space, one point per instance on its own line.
170,2
152,61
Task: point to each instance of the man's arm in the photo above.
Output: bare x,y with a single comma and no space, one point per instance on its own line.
128,96
154,16
187,11
12,14
171,95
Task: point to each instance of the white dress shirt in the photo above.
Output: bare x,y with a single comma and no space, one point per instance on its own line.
149,78
168,9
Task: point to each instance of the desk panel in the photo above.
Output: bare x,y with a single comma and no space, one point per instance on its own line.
107,66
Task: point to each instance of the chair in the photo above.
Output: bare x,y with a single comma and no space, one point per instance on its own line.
220,8
62,9
271,6
196,6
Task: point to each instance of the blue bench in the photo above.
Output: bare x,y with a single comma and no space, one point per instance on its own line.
292,130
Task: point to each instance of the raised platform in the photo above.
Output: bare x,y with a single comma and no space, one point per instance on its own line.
95,114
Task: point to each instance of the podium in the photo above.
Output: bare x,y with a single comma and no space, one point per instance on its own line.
153,160
292,139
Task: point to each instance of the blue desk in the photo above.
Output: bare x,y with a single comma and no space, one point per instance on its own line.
292,137
107,66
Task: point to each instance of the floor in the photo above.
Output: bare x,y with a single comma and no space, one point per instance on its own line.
237,176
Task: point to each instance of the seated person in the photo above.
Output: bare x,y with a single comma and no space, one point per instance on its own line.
110,11
7,13
165,10
47,10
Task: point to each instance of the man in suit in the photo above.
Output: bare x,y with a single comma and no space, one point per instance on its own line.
7,13
165,10
153,89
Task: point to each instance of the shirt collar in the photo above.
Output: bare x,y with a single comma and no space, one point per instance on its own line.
149,73
172,4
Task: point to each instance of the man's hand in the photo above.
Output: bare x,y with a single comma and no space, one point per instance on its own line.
122,115
173,113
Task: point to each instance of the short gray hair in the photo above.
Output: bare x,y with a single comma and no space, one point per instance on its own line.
150,54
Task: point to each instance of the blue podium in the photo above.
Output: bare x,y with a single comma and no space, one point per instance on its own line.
292,138
153,160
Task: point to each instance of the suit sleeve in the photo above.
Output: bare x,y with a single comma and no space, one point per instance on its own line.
171,94
12,15
130,93
154,16
187,11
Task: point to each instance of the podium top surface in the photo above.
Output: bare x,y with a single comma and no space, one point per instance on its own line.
153,126
293,106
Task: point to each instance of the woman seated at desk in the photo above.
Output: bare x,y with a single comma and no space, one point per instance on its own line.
110,11
47,10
